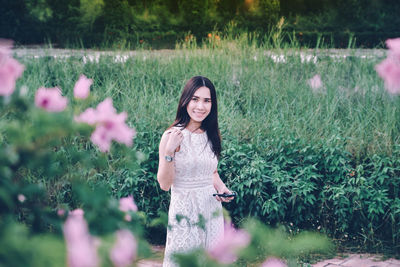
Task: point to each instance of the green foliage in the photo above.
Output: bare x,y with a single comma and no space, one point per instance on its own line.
266,242
19,248
48,168
322,161
316,186
160,24
90,10
39,9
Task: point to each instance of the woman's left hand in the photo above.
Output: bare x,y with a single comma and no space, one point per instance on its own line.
224,199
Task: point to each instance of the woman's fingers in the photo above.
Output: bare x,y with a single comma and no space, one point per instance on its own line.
228,199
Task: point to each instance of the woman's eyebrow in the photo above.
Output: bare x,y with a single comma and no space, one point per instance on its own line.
206,98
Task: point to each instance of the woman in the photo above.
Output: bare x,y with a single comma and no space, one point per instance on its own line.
188,159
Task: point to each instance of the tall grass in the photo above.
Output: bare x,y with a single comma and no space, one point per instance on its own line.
284,144
259,97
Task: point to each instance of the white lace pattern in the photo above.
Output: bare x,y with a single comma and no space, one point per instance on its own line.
191,197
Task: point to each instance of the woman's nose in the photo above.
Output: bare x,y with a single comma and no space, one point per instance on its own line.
200,105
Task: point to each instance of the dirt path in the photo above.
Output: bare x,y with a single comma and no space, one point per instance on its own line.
348,260
359,260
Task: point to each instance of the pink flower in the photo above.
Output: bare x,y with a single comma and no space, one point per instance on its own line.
123,252
50,99
109,125
127,204
61,212
89,116
10,69
394,48
389,71
21,198
273,262
315,82
393,44
82,87
224,251
81,247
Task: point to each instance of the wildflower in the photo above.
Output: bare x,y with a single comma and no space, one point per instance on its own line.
209,35
188,38
273,262
315,82
61,212
82,87
124,250
81,246
50,99
389,71
10,69
109,125
127,204
21,198
394,48
224,251
89,116
389,68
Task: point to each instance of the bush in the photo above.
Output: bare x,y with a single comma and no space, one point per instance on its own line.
316,186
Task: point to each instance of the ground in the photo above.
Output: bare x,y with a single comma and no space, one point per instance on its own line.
347,260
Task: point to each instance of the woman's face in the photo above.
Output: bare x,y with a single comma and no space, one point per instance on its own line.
200,105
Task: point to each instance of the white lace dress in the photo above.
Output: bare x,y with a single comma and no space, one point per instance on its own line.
191,197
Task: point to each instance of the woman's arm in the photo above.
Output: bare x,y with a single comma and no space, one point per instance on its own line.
221,188
170,140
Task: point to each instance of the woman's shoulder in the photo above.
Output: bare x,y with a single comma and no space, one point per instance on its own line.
179,127
167,131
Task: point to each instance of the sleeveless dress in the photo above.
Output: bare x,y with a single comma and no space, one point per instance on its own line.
192,199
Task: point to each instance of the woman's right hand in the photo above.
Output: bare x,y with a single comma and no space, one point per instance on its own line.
175,138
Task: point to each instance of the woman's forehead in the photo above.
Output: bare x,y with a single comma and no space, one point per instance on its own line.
203,92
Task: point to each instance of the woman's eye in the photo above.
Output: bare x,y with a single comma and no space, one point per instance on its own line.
195,99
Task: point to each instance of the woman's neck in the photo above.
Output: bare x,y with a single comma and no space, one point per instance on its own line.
194,126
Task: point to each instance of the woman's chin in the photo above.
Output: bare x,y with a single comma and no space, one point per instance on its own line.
197,118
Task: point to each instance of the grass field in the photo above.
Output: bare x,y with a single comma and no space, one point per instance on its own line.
263,94
285,144
322,159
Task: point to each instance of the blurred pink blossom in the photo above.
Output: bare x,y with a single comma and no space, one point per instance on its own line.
394,48
128,217
315,82
89,116
61,212
389,71
224,251
10,69
82,87
81,246
109,125
21,198
273,262
50,99
123,252
127,204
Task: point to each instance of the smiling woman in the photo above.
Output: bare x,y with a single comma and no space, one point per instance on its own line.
200,105
188,159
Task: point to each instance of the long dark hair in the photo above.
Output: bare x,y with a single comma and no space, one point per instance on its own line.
210,123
